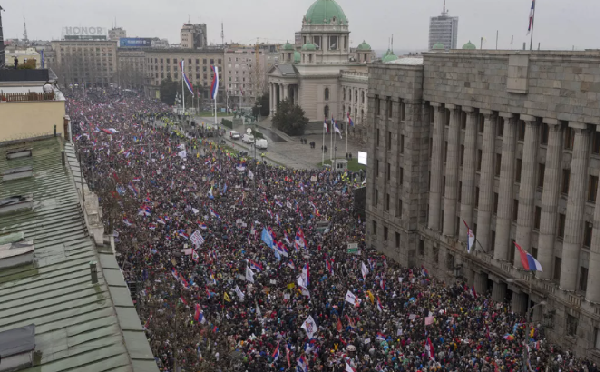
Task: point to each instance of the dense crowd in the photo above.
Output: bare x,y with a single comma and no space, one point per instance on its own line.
245,266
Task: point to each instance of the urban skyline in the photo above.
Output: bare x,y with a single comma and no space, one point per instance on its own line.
410,28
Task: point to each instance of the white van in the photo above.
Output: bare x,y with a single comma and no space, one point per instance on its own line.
262,144
234,135
248,138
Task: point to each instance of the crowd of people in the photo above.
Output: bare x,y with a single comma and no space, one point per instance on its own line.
239,265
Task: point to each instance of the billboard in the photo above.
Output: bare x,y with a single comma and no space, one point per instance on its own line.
84,31
135,42
362,158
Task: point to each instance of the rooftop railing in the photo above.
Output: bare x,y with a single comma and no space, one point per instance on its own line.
26,97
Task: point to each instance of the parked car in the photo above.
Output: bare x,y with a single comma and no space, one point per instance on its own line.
248,138
234,135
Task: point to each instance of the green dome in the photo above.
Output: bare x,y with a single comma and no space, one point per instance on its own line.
296,57
324,11
389,56
288,46
469,45
309,47
363,46
438,46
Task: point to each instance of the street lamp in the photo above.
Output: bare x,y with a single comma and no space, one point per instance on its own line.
528,316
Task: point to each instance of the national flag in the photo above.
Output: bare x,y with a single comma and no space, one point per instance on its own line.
184,283
339,325
175,274
198,313
329,267
183,234
275,355
508,337
152,226
145,211
186,81
214,214
133,189
470,238
203,226
531,16
429,349
136,179
382,284
349,368
110,130
291,265
325,127
214,86
255,265
282,248
266,238
285,236
310,326
127,222
249,275
302,364
335,127
160,220
364,270
528,261
147,324
195,256
350,122
379,307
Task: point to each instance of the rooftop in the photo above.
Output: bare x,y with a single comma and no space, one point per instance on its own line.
79,325
407,61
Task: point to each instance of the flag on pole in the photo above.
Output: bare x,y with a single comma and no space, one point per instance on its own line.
379,307
335,127
325,127
214,87
529,263
275,354
364,270
249,275
531,14
350,122
310,326
302,364
350,297
470,238
187,82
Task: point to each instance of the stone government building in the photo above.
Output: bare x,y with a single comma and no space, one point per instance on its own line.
508,142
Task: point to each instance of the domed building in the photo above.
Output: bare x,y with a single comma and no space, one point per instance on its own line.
322,73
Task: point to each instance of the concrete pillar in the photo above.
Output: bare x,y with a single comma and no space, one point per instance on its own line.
272,98
528,186
575,205
593,289
451,185
499,291
469,275
468,172
480,284
486,190
505,191
435,189
550,197
519,302
285,91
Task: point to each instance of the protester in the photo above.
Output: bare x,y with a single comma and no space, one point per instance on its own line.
229,302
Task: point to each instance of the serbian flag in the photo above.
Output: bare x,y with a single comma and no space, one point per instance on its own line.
291,265
429,349
275,354
203,226
350,122
109,130
325,127
175,274
350,368
197,313
531,14
255,265
527,260
336,128
470,238
214,86
329,267
187,82
379,307
147,324
214,214
302,364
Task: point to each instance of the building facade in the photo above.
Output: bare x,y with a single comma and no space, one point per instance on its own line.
193,36
508,144
315,75
89,62
130,71
443,29
116,33
160,64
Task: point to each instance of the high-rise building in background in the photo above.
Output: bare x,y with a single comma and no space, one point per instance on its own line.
193,36
443,29
89,62
116,33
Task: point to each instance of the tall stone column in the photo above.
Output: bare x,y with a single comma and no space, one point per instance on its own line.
486,189
575,205
435,189
499,291
468,171
528,185
451,185
550,197
480,284
519,302
593,289
505,191
285,91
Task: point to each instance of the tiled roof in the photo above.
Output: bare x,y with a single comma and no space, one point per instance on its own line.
76,326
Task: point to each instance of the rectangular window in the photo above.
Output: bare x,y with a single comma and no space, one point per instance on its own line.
597,338
402,111
387,202
401,176
402,144
561,226
376,168
498,165
515,210
477,197
572,323
385,233
557,268
377,137
534,252
500,127
537,219
397,239
596,143
445,151
544,134
390,107
479,158
462,154
389,171
518,168
389,141
495,203
541,171
592,188
481,123
566,178
587,234
399,209
375,200
377,105
521,131
569,139
374,224
422,247
459,191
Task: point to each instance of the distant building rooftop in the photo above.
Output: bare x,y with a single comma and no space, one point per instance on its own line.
78,325
407,61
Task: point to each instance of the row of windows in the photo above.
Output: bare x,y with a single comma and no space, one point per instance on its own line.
176,61
362,95
388,105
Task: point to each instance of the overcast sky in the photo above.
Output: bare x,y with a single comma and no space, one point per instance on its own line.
559,23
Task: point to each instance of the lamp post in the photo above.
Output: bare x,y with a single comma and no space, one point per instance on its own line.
528,316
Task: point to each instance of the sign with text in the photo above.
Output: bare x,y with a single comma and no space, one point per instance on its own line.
84,30
135,42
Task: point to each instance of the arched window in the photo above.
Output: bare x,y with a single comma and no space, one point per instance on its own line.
326,94
326,112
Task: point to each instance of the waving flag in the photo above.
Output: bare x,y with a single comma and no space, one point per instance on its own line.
310,326
329,267
203,226
198,314
305,274
470,238
214,86
127,222
267,238
325,127
302,364
364,270
239,293
255,265
379,307
350,122
531,15
291,265
214,214
275,355
160,220
429,349
195,256
349,368
187,82
282,248
527,260
249,275
350,297
335,127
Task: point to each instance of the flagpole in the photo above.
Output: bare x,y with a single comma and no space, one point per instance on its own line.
182,93
346,137
323,147
331,141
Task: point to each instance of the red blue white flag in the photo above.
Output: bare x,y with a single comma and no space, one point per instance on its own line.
531,17
187,82
214,87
